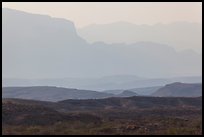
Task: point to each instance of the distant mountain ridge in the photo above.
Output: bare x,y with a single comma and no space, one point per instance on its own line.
124,32
36,45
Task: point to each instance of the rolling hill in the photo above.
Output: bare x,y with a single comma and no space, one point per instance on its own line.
180,90
46,93
127,93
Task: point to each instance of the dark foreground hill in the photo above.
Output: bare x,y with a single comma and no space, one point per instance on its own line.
25,112
131,115
135,102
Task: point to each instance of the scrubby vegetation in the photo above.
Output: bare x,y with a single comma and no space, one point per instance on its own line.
33,119
146,125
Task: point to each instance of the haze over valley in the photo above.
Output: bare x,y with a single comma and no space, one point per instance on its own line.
109,77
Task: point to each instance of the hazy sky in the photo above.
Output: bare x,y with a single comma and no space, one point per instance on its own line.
85,13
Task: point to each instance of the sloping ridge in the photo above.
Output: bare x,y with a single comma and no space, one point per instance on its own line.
178,89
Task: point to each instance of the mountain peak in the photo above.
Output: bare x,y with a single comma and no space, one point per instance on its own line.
21,17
